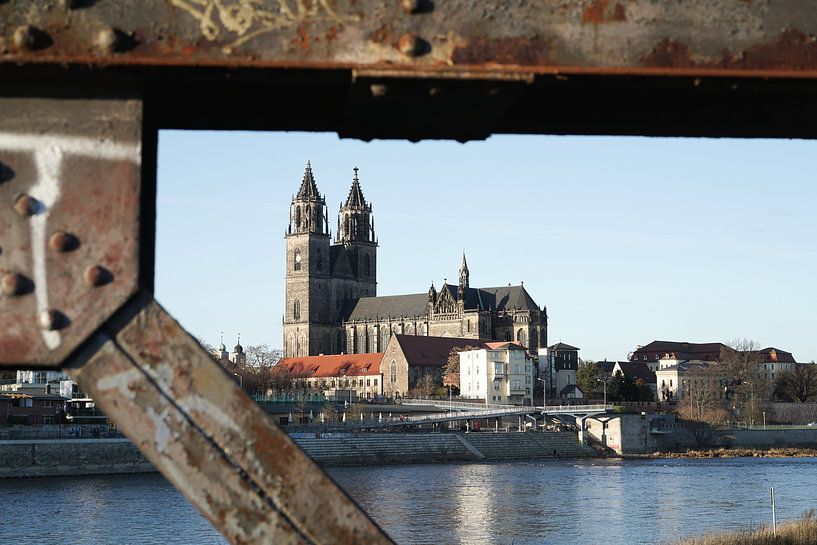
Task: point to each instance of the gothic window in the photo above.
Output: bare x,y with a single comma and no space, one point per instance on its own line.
521,337
297,260
360,342
296,309
367,265
346,225
393,372
372,340
297,217
350,341
468,325
507,335
319,260
307,219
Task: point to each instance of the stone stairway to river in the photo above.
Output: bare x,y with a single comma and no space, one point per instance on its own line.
386,448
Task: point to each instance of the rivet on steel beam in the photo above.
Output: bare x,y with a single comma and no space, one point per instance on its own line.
412,45
26,205
62,241
52,320
15,284
109,40
378,90
29,38
25,37
96,276
412,6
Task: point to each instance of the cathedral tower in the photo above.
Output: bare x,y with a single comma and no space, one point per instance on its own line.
357,236
307,314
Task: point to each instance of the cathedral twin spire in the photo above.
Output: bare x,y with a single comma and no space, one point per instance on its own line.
308,214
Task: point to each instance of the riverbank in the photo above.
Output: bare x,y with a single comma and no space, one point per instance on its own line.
795,532
734,453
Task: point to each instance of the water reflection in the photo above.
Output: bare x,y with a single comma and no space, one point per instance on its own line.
597,501
521,503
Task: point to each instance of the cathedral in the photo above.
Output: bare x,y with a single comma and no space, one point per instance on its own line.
332,306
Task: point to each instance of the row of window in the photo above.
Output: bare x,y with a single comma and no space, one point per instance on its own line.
313,383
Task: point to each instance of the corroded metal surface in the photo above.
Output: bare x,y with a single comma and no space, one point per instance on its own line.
213,442
773,37
69,222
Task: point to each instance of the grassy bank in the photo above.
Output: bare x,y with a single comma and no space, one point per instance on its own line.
739,453
796,532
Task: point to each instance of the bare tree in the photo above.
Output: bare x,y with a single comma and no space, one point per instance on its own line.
330,413
701,394
353,412
701,411
426,385
740,362
799,383
451,372
261,360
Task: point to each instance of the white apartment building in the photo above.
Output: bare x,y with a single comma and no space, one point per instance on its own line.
499,373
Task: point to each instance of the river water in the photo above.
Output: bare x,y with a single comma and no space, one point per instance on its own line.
537,502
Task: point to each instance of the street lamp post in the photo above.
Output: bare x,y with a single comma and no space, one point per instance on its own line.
240,380
544,391
604,382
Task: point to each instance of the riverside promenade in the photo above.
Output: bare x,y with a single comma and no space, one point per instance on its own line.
66,457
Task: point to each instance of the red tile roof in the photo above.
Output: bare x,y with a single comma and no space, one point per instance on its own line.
350,365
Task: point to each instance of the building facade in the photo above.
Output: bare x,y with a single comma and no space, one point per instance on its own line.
332,306
499,373
340,377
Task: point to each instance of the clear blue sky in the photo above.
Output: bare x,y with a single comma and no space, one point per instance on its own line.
625,240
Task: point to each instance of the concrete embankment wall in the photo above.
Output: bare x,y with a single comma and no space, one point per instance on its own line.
755,438
633,434
384,448
69,457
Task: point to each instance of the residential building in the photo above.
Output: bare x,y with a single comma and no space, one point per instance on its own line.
637,371
675,382
558,365
501,372
672,351
30,409
332,305
340,377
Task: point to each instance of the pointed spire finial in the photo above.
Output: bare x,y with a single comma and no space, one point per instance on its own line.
355,198
309,188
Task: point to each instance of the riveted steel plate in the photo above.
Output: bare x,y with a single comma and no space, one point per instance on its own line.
771,37
69,222
213,442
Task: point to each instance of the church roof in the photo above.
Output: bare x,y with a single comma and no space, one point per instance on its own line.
372,308
501,299
422,351
309,189
355,198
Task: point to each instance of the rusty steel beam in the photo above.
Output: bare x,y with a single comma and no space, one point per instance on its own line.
70,192
768,38
213,442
